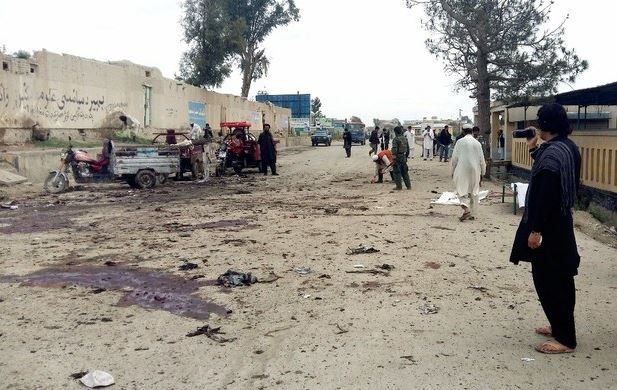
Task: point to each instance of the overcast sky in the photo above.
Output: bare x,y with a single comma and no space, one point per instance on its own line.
360,57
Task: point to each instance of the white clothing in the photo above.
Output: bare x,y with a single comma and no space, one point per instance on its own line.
429,137
196,132
411,141
468,166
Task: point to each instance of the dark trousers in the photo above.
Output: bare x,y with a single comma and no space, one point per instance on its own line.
373,149
348,151
265,163
443,153
557,295
401,173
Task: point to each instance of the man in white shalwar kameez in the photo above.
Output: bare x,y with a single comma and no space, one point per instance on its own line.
468,167
411,141
428,136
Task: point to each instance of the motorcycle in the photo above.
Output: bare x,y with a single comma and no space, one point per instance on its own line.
84,168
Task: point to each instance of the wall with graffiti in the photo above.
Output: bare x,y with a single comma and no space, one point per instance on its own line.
68,92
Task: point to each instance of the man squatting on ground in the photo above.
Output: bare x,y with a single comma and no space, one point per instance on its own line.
545,236
468,167
399,152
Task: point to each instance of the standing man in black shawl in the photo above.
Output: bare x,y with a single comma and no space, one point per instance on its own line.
545,236
268,151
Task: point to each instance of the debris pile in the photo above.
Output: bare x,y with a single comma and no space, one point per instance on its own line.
236,279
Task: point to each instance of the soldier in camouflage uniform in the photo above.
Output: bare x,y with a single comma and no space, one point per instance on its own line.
399,151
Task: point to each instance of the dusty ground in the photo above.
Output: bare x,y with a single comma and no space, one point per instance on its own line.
326,330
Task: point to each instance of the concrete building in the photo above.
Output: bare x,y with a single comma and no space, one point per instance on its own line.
65,94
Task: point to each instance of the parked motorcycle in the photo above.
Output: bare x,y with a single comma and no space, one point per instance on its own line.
139,167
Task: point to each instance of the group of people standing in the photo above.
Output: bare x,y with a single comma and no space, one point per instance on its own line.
545,236
433,144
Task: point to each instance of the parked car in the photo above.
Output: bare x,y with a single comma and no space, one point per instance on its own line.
321,137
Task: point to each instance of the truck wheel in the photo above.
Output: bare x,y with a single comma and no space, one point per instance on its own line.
55,185
145,179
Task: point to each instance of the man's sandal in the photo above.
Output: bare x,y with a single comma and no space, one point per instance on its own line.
545,331
553,347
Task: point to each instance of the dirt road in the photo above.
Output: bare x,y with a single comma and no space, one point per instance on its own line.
92,280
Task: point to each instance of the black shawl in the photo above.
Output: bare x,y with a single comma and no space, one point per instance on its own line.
558,156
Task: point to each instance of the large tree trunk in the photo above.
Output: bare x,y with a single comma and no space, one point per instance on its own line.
246,81
247,73
483,97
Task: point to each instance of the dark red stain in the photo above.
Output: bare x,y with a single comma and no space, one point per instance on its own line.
146,288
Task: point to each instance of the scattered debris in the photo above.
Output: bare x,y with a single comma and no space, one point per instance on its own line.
359,266
325,276
443,228
188,266
429,308
369,271
97,379
306,296
211,333
110,263
302,270
528,360
386,267
362,249
331,210
98,290
410,358
479,288
341,330
272,332
10,205
78,375
236,279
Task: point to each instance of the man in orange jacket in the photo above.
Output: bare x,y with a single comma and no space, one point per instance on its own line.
383,162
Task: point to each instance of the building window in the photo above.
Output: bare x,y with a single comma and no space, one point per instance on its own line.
148,73
33,68
5,65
